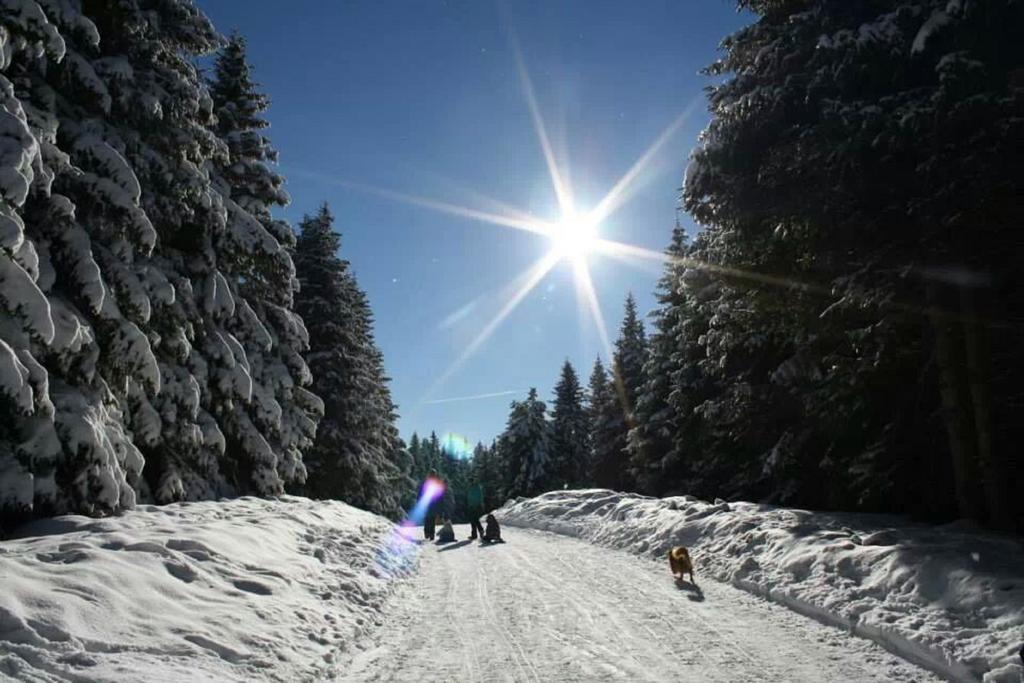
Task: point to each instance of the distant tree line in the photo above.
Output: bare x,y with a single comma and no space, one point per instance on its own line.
845,330
430,458
155,342
581,442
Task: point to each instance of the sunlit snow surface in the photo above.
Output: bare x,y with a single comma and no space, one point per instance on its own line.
238,590
946,597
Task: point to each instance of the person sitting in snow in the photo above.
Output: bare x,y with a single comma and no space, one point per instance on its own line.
492,534
447,533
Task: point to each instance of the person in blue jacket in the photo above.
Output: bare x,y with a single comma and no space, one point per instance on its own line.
475,508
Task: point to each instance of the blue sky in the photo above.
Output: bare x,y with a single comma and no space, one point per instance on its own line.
423,97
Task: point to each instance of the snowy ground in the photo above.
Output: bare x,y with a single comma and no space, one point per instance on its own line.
292,589
945,597
241,590
544,607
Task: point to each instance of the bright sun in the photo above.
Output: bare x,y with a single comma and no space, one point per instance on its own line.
574,236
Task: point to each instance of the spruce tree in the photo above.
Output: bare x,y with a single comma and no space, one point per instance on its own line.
858,190
611,469
569,431
650,439
602,407
418,472
486,471
525,447
280,419
355,455
30,449
432,455
112,217
494,472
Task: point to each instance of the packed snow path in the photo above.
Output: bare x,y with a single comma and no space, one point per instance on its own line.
543,607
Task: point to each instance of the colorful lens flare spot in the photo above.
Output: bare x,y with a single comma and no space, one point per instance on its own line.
457,446
433,488
397,554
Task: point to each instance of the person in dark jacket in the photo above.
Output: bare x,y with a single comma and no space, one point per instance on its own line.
429,525
475,508
492,534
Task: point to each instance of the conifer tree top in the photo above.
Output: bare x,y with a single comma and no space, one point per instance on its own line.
236,96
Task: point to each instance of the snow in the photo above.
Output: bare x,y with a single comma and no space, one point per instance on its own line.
543,607
18,148
933,25
20,295
238,590
29,16
12,229
114,180
77,248
293,589
948,598
14,384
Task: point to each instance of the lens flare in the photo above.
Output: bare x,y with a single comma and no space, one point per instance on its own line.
398,550
456,446
433,488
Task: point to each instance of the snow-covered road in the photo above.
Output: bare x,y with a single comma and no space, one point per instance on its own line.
544,607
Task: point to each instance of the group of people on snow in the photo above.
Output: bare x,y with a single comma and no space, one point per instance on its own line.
475,506
491,533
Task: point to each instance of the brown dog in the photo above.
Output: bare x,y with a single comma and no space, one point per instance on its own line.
680,563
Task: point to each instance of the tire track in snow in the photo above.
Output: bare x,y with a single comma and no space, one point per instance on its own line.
524,663
672,624
563,588
549,608
726,637
468,649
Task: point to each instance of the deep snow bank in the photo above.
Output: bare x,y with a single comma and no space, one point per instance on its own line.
234,590
950,600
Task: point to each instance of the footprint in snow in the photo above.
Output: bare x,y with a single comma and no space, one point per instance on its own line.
253,587
181,572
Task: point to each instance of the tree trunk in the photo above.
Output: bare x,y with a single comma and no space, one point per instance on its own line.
956,405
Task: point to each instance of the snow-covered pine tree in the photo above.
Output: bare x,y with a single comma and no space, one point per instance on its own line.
406,485
525,448
569,431
862,152
495,496
30,450
456,473
122,226
394,478
611,470
432,455
602,403
355,455
486,471
419,470
650,439
724,410
279,421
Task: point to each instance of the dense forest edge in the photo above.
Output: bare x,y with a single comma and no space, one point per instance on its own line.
842,333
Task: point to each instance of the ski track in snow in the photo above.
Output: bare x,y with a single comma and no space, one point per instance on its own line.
544,607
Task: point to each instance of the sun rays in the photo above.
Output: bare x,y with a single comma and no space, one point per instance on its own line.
574,235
